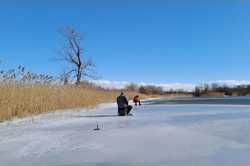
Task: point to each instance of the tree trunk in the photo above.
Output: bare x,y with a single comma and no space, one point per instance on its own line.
78,76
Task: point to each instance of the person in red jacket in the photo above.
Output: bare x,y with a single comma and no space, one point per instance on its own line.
136,100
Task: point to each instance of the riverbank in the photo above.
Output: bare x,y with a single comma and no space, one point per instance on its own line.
18,101
21,101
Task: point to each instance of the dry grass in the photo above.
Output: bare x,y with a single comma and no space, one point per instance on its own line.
26,100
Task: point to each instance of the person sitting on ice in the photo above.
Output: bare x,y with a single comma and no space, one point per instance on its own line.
136,100
123,107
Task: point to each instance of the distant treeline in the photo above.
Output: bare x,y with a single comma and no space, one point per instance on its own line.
215,89
154,90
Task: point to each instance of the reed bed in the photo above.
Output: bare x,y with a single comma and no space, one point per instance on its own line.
18,100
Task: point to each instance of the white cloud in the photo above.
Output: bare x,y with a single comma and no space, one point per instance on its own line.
110,84
177,86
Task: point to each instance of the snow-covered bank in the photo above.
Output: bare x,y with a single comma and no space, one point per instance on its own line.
171,135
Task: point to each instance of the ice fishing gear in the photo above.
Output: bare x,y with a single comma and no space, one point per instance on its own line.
97,127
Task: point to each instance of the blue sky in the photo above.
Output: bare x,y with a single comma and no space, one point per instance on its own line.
149,41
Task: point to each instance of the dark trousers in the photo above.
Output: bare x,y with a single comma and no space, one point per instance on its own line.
137,102
124,111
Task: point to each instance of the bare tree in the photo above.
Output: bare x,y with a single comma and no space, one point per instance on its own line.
72,54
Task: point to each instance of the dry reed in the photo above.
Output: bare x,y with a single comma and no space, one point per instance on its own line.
24,100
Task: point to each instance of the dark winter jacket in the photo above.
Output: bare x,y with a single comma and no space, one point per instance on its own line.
122,101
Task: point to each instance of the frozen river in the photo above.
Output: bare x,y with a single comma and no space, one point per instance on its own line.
165,132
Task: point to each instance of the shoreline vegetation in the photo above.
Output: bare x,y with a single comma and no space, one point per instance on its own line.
22,100
23,93
18,101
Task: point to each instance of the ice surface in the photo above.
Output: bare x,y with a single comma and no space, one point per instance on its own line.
174,135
